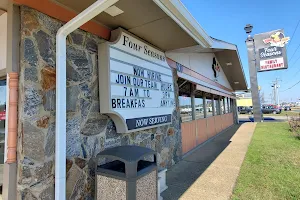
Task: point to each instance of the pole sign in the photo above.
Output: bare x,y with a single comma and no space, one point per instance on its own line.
135,83
270,50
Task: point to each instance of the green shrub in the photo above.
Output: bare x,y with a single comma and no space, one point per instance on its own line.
294,123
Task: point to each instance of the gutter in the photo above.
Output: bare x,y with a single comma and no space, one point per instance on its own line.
60,129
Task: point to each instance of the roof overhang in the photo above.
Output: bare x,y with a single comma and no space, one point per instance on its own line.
179,13
166,24
228,56
234,72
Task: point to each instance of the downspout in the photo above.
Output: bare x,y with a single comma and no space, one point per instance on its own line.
60,133
13,83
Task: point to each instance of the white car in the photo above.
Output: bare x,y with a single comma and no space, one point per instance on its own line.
185,110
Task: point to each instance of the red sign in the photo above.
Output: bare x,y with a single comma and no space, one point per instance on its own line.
2,115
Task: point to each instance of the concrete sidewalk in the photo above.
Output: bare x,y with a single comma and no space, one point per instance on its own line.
210,172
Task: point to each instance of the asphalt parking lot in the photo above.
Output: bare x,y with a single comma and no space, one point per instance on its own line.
249,118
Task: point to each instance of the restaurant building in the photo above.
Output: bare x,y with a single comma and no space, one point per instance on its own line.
140,73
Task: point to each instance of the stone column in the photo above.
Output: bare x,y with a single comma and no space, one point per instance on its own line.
213,105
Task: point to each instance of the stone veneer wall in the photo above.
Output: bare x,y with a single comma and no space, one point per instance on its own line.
88,132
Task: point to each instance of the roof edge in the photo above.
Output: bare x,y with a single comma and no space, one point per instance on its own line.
220,44
238,54
179,13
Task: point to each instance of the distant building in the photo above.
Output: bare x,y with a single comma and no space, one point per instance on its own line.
244,99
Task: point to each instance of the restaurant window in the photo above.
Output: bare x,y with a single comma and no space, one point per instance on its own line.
185,100
199,109
2,118
185,106
209,108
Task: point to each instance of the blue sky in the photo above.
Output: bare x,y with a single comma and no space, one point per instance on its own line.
226,20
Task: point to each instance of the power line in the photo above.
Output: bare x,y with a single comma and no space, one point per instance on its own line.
291,86
297,72
296,61
293,77
294,53
289,46
293,34
290,66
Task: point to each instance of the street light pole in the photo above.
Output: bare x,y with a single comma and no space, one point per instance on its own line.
257,115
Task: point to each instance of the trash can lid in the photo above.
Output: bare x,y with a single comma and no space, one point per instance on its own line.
127,153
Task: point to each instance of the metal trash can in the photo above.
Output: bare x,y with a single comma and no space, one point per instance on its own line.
128,176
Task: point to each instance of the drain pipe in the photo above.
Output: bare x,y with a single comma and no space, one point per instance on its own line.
60,133
12,124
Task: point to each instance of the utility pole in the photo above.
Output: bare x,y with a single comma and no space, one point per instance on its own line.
276,86
273,95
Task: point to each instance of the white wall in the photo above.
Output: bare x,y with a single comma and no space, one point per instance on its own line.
3,44
201,63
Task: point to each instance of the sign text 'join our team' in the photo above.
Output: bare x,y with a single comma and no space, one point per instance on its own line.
136,84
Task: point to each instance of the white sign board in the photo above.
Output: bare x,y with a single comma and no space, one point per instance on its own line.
135,82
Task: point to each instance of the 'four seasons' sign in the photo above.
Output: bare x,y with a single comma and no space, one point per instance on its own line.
270,50
136,83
